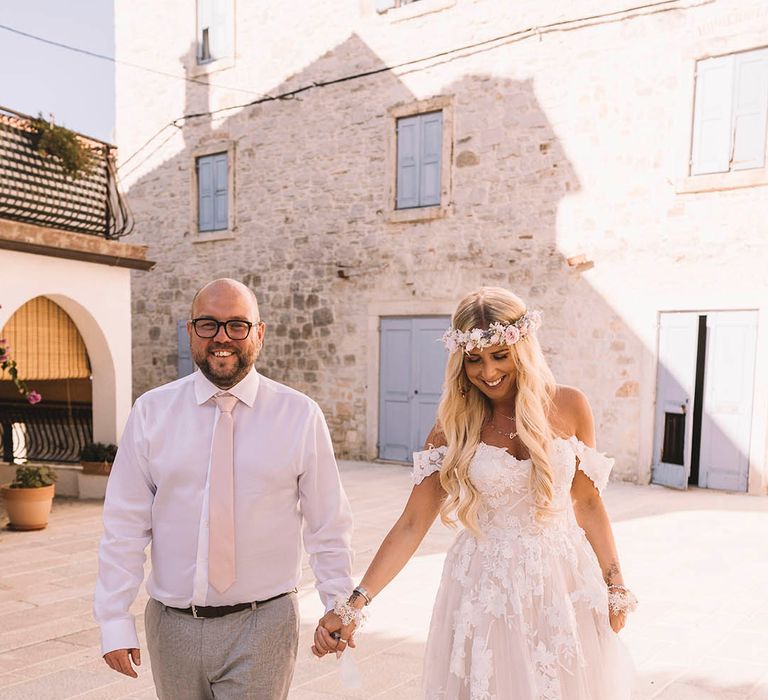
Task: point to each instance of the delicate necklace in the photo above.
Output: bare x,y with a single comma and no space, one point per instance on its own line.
508,435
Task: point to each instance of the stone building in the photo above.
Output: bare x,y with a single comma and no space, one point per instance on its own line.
364,165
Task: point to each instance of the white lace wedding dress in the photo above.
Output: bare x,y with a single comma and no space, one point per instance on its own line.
522,612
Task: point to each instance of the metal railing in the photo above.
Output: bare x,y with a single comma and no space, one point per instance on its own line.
49,432
35,190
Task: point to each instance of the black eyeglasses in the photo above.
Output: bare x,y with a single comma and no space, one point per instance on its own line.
235,329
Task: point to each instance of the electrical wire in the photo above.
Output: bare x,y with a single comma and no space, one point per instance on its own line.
112,59
458,52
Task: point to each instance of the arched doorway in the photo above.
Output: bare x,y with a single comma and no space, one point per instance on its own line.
52,358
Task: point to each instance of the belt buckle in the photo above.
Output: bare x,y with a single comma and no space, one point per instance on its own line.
194,612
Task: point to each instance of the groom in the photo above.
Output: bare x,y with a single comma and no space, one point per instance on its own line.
222,471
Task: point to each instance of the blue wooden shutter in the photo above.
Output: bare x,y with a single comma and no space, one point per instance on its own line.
205,193
222,28
184,363
220,191
408,149
750,107
431,151
711,151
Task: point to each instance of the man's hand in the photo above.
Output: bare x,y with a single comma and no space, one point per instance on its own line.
330,635
120,660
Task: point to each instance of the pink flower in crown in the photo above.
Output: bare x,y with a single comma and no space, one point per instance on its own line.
511,335
33,397
449,340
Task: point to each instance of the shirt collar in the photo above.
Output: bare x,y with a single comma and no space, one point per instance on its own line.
245,389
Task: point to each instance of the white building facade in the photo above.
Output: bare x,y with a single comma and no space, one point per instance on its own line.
363,166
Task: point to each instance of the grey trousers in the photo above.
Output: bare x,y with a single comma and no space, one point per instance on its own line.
248,655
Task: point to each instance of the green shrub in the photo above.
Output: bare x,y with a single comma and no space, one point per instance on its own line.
75,158
33,477
98,452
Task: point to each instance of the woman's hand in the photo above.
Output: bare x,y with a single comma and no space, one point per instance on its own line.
332,635
618,619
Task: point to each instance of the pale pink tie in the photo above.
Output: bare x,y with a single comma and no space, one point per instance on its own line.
221,542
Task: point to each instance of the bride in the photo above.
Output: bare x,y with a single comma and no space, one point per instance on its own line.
532,594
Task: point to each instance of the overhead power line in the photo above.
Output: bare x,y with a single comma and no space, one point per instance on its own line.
112,59
449,54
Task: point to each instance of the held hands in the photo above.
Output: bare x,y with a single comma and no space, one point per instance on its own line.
332,635
120,660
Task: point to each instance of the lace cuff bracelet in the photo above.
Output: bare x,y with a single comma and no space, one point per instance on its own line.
348,614
621,599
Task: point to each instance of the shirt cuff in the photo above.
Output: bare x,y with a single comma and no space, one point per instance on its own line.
119,634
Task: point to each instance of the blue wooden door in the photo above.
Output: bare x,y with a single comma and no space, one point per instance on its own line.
412,362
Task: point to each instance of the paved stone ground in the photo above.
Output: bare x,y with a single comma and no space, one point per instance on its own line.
697,561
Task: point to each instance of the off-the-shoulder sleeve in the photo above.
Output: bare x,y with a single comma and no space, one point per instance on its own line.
593,463
427,462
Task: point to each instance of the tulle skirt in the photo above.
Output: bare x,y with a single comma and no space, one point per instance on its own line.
524,618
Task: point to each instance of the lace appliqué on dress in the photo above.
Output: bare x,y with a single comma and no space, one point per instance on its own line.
522,610
427,462
593,463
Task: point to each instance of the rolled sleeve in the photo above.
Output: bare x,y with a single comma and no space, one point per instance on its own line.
327,516
127,532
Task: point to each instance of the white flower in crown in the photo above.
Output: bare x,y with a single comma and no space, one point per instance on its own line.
496,334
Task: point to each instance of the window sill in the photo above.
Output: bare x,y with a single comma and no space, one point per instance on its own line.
209,236
407,216
722,181
199,69
417,9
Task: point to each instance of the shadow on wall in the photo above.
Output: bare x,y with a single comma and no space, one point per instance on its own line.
310,183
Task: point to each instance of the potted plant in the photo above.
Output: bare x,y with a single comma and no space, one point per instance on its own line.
97,457
29,496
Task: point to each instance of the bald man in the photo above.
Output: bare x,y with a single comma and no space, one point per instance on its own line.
224,472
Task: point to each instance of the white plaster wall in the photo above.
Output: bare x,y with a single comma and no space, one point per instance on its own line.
98,299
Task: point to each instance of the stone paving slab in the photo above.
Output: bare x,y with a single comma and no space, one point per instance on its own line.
695,559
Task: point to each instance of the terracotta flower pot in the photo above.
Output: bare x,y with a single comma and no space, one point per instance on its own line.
97,468
28,509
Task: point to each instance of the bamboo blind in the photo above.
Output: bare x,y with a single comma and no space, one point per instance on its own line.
45,343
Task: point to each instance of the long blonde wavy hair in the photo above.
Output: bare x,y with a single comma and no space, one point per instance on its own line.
464,409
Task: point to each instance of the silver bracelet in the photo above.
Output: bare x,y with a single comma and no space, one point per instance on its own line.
360,590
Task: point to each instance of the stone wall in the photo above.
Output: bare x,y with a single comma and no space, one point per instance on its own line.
569,143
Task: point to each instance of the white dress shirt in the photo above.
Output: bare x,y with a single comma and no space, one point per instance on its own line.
286,486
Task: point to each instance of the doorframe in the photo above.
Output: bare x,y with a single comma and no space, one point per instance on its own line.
757,477
376,309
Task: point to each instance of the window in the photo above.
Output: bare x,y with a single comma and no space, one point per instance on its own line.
215,30
213,192
419,160
730,110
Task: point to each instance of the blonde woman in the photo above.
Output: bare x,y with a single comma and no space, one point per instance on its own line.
532,594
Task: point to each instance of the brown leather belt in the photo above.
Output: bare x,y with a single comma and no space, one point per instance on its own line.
206,611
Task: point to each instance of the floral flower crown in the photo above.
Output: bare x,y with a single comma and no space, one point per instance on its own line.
497,333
